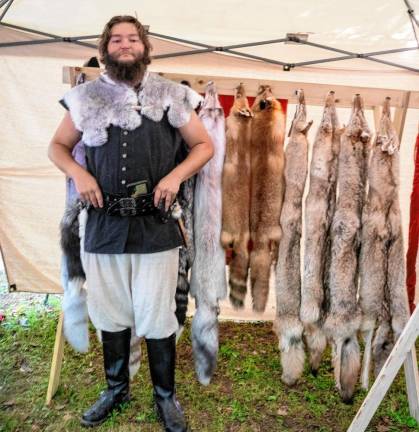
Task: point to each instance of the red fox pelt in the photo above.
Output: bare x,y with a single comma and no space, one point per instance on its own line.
267,190
236,195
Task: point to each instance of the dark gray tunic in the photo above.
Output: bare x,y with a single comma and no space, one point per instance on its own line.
149,153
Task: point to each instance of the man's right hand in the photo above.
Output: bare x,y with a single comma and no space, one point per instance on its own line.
87,187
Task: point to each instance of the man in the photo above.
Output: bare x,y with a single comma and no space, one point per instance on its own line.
133,124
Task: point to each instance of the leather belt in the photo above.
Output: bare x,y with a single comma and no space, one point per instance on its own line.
119,205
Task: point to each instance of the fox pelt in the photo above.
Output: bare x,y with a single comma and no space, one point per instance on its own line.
344,315
288,279
235,232
382,293
319,210
208,276
266,191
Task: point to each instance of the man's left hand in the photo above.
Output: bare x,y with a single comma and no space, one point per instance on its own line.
166,190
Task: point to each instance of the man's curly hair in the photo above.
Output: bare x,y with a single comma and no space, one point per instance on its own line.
142,33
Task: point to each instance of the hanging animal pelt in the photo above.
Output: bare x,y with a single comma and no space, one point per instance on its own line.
320,207
267,191
185,199
208,276
288,280
382,294
344,315
236,195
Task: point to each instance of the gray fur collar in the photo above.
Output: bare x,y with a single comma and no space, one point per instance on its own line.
97,104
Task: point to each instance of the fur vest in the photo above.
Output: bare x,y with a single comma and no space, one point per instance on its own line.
97,104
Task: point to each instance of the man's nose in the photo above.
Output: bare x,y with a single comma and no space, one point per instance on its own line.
125,43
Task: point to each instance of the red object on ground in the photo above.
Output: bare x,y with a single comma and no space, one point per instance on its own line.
412,250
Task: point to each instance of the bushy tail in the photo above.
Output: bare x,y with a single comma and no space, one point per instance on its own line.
349,367
182,289
291,346
205,341
75,315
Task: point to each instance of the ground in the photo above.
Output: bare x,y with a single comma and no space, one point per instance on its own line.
246,393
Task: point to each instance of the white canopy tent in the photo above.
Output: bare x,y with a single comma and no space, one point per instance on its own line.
31,83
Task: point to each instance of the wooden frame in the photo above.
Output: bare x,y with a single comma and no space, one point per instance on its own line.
403,351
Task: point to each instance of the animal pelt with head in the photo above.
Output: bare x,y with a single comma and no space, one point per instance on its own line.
319,210
267,191
208,277
236,195
382,294
288,280
344,316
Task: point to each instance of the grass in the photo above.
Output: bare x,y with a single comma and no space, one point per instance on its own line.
246,393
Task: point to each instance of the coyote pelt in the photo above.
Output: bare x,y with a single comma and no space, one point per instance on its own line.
208,277
320,207
236,195
288,279
382,294
267,191
344,315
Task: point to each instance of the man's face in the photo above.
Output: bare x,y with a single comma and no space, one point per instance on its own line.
125,46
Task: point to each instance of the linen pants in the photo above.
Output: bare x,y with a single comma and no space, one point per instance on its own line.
131,290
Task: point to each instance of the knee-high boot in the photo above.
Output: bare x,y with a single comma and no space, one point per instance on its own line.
116,350
162,359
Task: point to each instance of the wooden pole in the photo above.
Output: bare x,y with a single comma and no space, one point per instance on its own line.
403,351
57,360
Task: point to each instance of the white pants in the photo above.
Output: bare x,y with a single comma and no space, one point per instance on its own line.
132,290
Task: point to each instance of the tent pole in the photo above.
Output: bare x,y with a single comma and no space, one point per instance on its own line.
6,9
400,115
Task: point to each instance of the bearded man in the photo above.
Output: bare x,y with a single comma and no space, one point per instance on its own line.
133,124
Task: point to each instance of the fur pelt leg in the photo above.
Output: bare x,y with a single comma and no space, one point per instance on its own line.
316,343
366,359
382,345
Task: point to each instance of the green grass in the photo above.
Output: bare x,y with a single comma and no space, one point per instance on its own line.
246,393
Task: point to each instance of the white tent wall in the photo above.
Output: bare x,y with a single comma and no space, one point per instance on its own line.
32,189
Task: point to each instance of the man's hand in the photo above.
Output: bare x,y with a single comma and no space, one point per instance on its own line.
88,188
166,190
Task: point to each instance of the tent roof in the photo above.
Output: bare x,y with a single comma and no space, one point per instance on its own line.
351,26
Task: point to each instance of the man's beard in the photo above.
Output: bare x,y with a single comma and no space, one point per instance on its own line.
131,71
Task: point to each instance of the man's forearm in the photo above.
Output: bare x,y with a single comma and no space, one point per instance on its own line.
62,158
198,156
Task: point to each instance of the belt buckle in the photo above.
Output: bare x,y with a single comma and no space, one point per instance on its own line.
127,207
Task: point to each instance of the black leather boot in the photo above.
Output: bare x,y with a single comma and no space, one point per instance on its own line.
162,359
116,350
